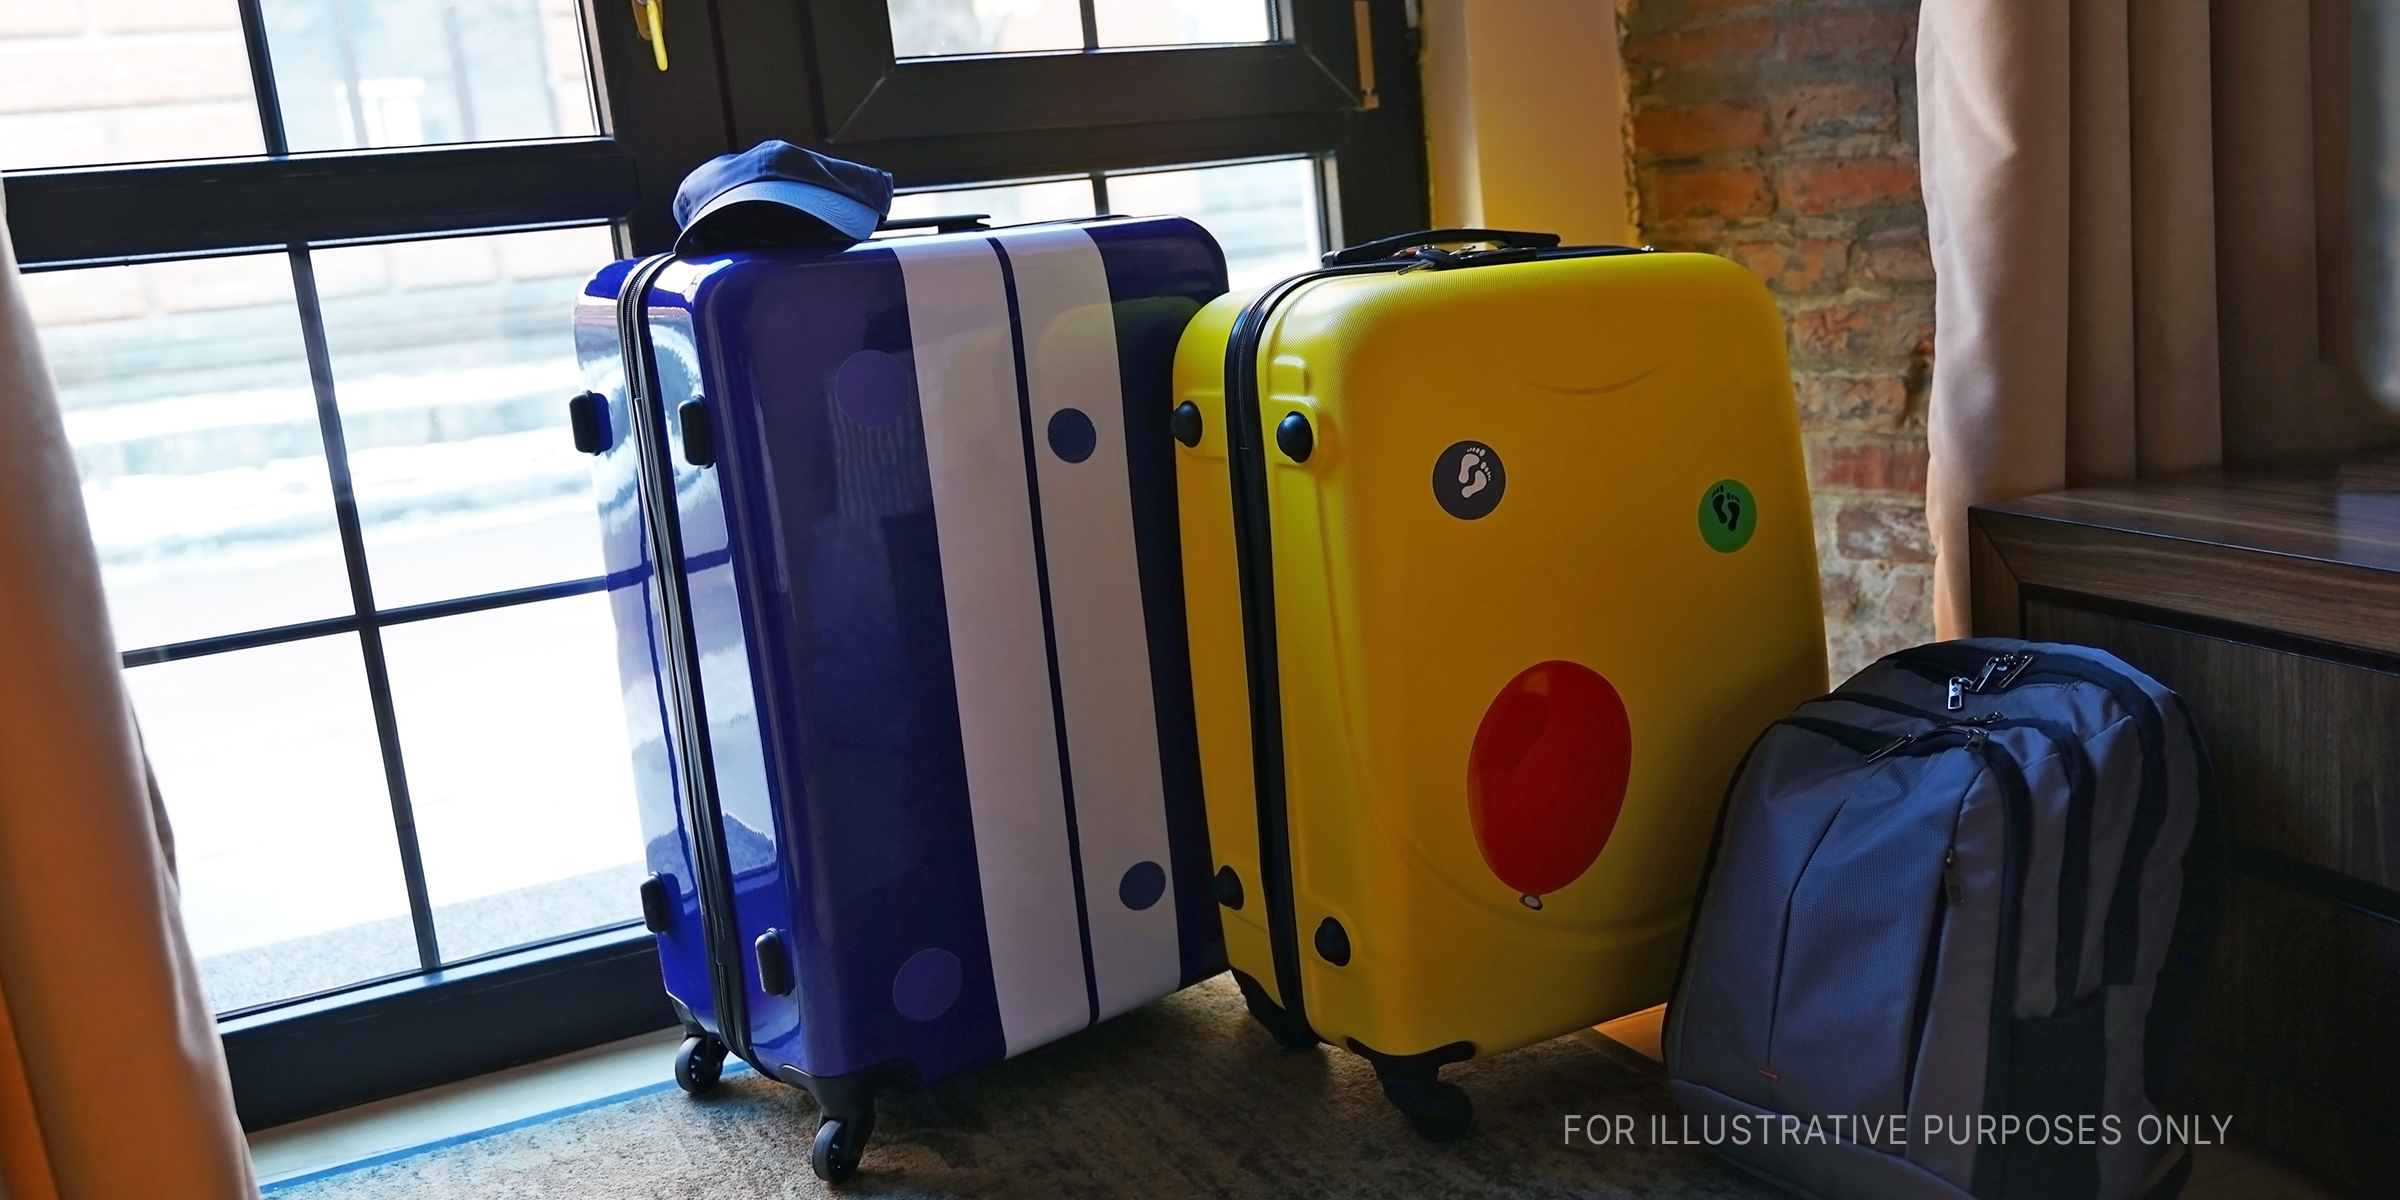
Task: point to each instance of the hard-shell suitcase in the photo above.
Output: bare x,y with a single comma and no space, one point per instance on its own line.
910,701
1507,557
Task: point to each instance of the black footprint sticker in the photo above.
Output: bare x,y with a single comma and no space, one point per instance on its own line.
1728,510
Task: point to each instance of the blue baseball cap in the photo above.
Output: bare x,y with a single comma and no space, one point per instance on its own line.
779,194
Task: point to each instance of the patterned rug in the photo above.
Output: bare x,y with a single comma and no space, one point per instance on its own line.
1184,1098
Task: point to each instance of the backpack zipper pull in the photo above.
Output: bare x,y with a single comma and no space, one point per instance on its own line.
1957,698
2014,667
1889,747
2000,671
1991,667
1952,884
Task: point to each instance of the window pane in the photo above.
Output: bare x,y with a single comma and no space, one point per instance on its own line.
453,361
1007,204
186,396
1179,22
1264,214
357,73
123,82
924,28
519,771
290,873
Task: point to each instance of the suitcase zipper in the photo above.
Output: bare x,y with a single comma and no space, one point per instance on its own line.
1254,561
688,742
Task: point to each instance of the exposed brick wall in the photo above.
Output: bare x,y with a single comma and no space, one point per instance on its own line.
1782,134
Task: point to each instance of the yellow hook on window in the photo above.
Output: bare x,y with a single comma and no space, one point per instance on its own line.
651,22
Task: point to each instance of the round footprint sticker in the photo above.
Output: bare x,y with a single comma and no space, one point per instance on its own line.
1728,514
1468,480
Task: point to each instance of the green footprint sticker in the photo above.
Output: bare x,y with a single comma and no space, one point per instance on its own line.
1728,515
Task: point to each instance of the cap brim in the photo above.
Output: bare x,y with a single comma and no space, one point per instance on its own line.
844,215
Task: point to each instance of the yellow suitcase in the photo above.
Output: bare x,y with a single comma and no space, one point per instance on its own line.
1507,561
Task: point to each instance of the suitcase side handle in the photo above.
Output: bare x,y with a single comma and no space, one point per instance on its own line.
1515,239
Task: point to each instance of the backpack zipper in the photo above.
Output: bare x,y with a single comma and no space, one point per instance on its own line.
2121,934
1999,671
1973,725
1952,894
2016,851
2075,864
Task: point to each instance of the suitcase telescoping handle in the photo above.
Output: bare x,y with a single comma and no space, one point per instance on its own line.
1513,239
954,223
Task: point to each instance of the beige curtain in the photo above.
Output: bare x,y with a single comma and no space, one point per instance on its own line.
112,1081
2135,215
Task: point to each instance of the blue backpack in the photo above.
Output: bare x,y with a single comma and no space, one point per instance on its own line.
1951,934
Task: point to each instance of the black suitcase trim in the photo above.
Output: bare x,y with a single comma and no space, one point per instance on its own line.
687,711
1254,553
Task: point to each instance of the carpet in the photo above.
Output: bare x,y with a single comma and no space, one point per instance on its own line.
1186,1097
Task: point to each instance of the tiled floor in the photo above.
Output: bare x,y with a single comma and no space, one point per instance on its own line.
403,1125
2230,1172
400,1127
2236,1172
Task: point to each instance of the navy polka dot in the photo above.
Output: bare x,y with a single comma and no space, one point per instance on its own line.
927,984
1143,884
1072,435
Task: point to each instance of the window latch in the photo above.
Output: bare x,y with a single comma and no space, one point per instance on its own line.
651,22
1368,101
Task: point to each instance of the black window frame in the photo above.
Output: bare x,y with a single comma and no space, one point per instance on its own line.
820,73
448,1019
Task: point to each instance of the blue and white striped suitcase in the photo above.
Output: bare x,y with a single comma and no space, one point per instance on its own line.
912,712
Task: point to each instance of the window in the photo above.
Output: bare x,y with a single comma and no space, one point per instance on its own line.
931,28
304,268
226,519
953,93
363,73
95,83
312,362
123,83
1266,215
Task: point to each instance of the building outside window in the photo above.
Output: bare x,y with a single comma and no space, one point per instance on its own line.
189,400
350,552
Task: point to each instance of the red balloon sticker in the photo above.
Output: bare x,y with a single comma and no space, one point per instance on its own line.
1546,777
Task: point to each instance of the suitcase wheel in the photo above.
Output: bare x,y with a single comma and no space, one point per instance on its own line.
846,1112
699,1063
839,1143
1437,1110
